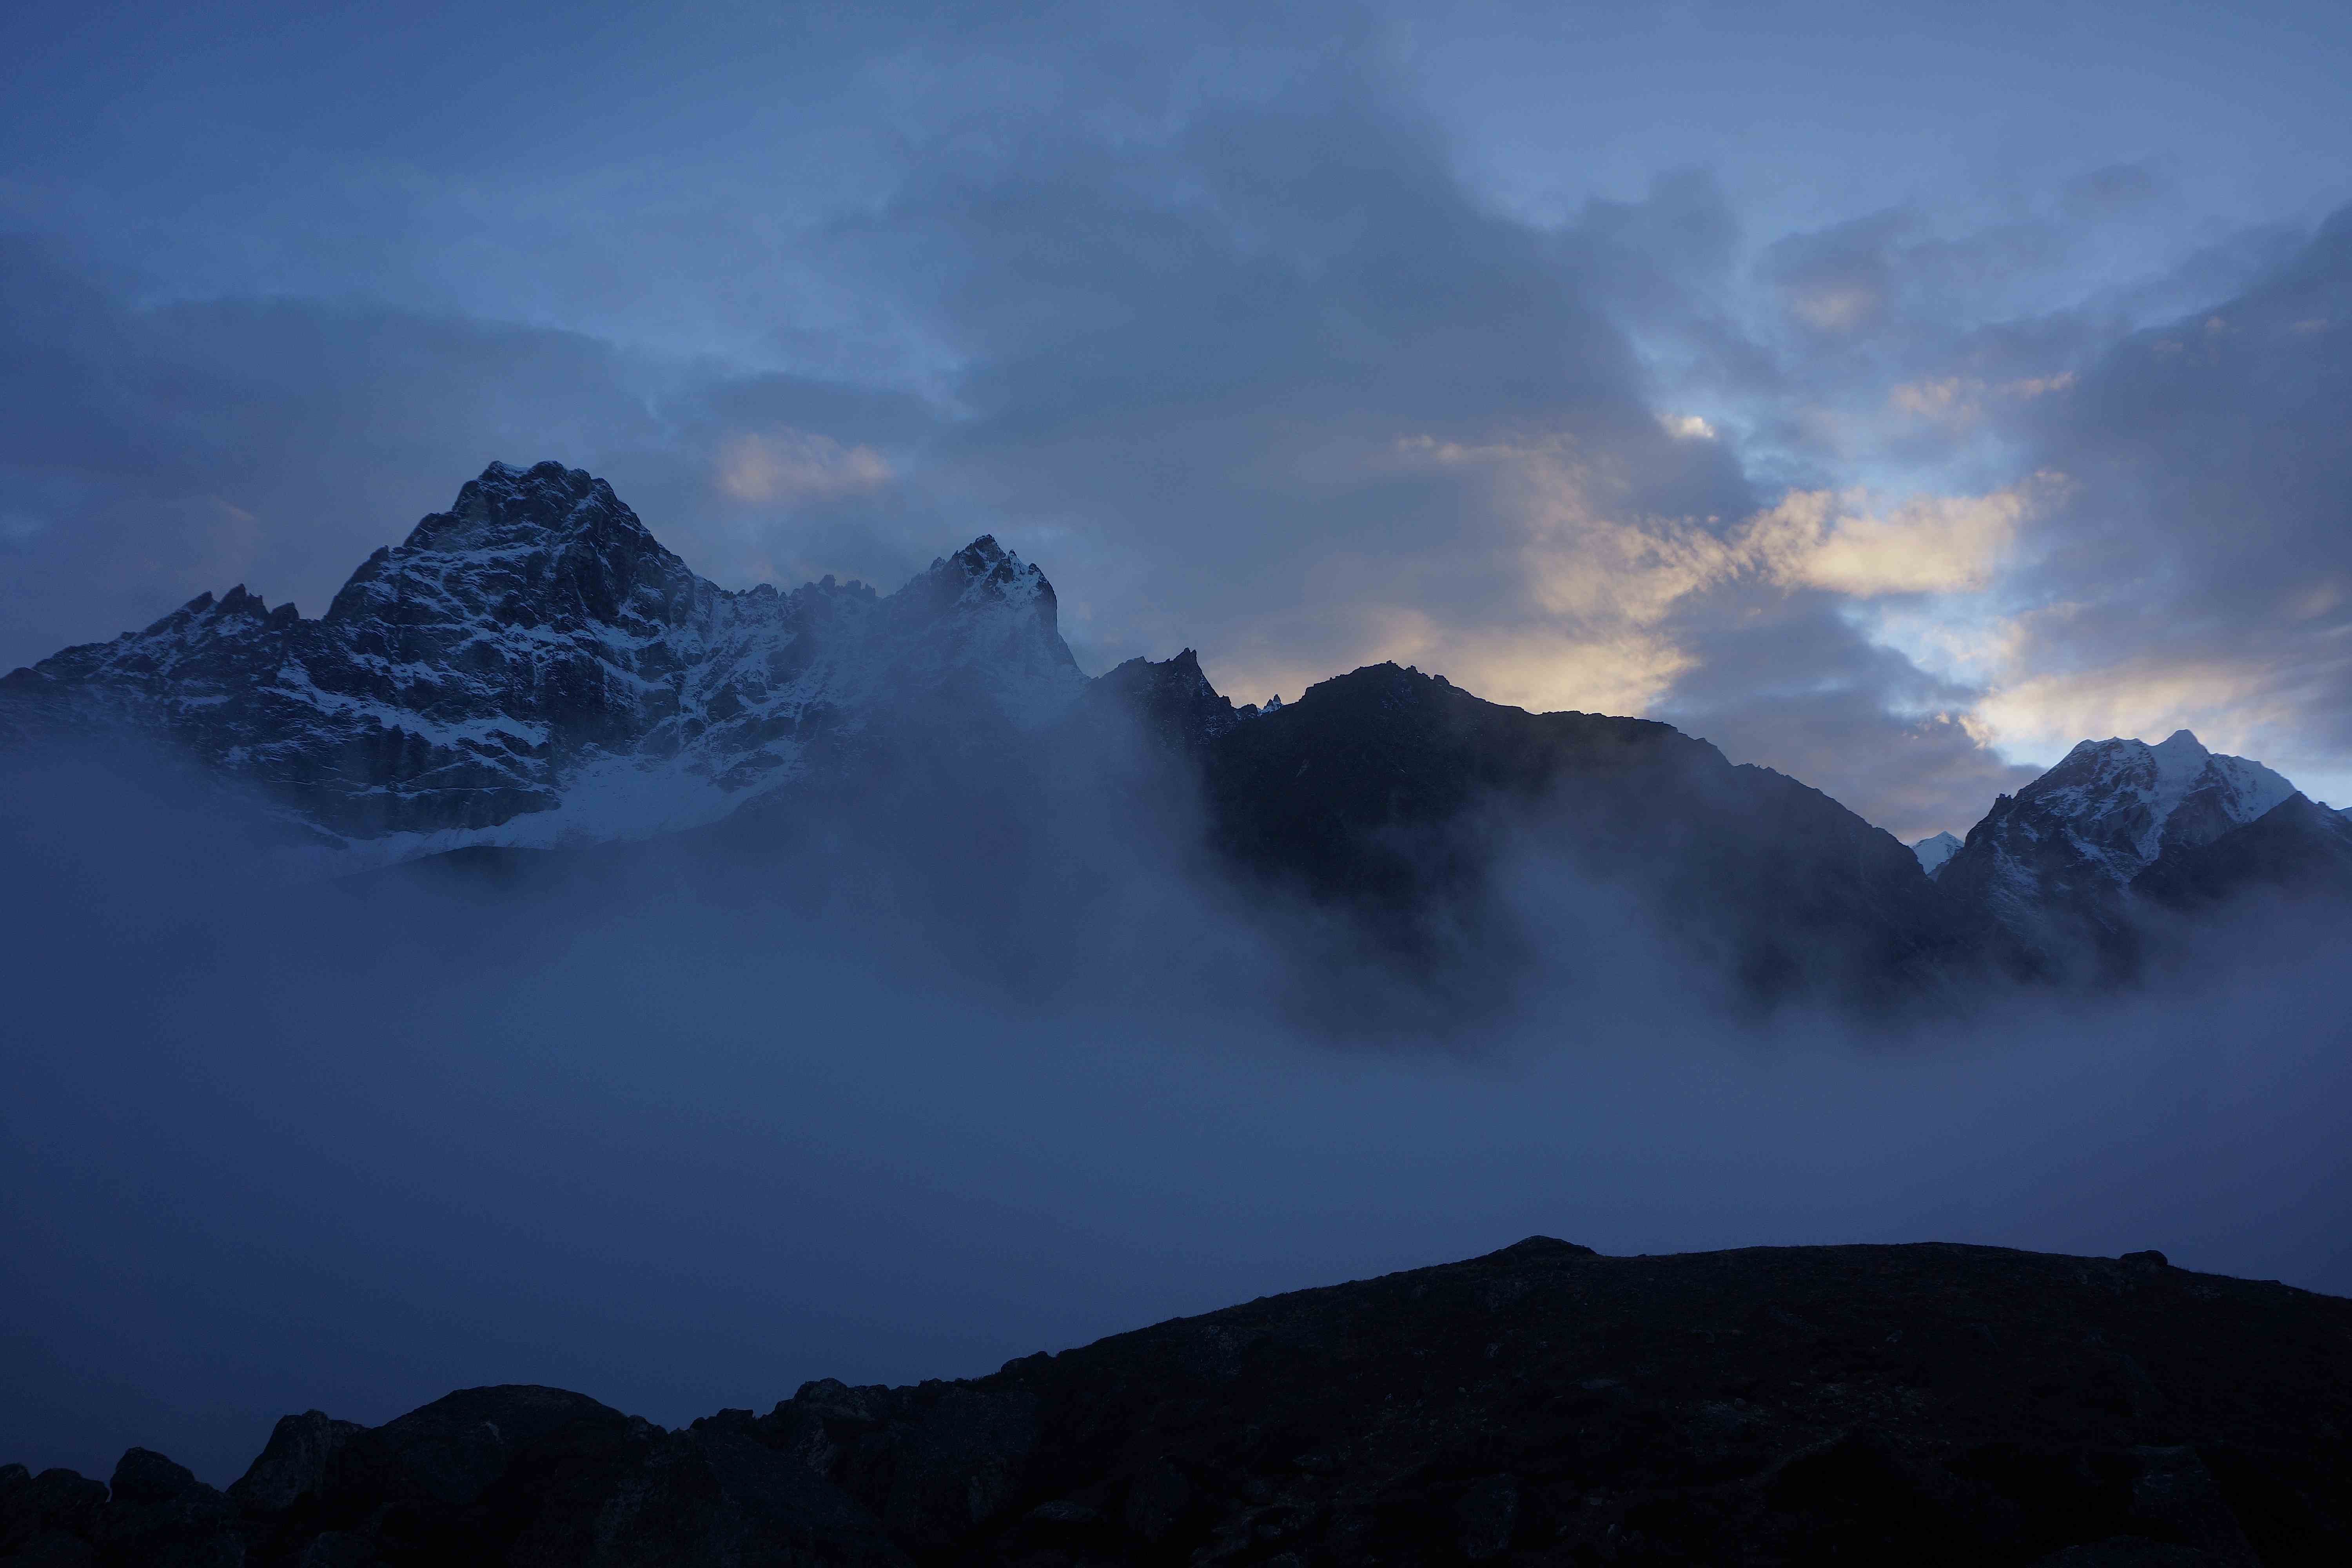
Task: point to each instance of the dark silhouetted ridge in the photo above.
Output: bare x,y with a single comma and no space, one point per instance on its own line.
1391,791
1928,1405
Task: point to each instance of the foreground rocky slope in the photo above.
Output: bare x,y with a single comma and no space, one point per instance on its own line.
1920,1405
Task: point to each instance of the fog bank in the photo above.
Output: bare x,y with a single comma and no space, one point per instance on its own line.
267,1147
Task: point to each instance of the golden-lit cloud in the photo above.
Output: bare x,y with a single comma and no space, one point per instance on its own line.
784,467
2233,706
1849,543
1599,592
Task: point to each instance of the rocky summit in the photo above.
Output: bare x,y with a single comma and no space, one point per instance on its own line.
1925,1404
532,667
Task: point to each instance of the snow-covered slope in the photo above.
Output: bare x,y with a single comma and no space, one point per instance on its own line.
534,668
2072,840
1933,852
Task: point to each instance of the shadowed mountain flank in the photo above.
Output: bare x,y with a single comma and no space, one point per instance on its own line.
1386,788
2295,849
1926,1403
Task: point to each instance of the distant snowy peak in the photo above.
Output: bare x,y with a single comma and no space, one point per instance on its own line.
2070,844
1933,852
532,667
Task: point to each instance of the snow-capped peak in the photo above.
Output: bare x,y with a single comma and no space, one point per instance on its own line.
2126,801
532,667
1933,852
2109,810
2180,758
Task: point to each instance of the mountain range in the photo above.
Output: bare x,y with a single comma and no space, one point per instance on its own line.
533,671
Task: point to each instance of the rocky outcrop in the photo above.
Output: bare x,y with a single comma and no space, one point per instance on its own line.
1932,1404
294,1464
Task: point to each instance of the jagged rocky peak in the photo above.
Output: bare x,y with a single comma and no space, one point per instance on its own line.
545,545
234,614
509,506
985,569
534,668
984,620
1173,699
985,578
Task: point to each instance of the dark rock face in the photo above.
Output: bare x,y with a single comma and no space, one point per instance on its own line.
2296,849
534,667
1172,701
1385,788
1917,1405
50,1518
294,1464
160,1513
453,1450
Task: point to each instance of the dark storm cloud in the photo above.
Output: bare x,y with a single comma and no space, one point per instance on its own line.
2204,556
1789,682
1902,338
1212,359
154,453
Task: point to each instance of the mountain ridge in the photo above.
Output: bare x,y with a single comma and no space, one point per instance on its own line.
532,668
1928,1403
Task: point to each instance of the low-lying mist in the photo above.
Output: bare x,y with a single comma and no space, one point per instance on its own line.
909,1086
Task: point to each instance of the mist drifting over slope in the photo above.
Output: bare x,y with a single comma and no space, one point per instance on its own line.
910,1089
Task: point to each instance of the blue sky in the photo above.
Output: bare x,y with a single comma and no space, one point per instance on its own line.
1893,394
